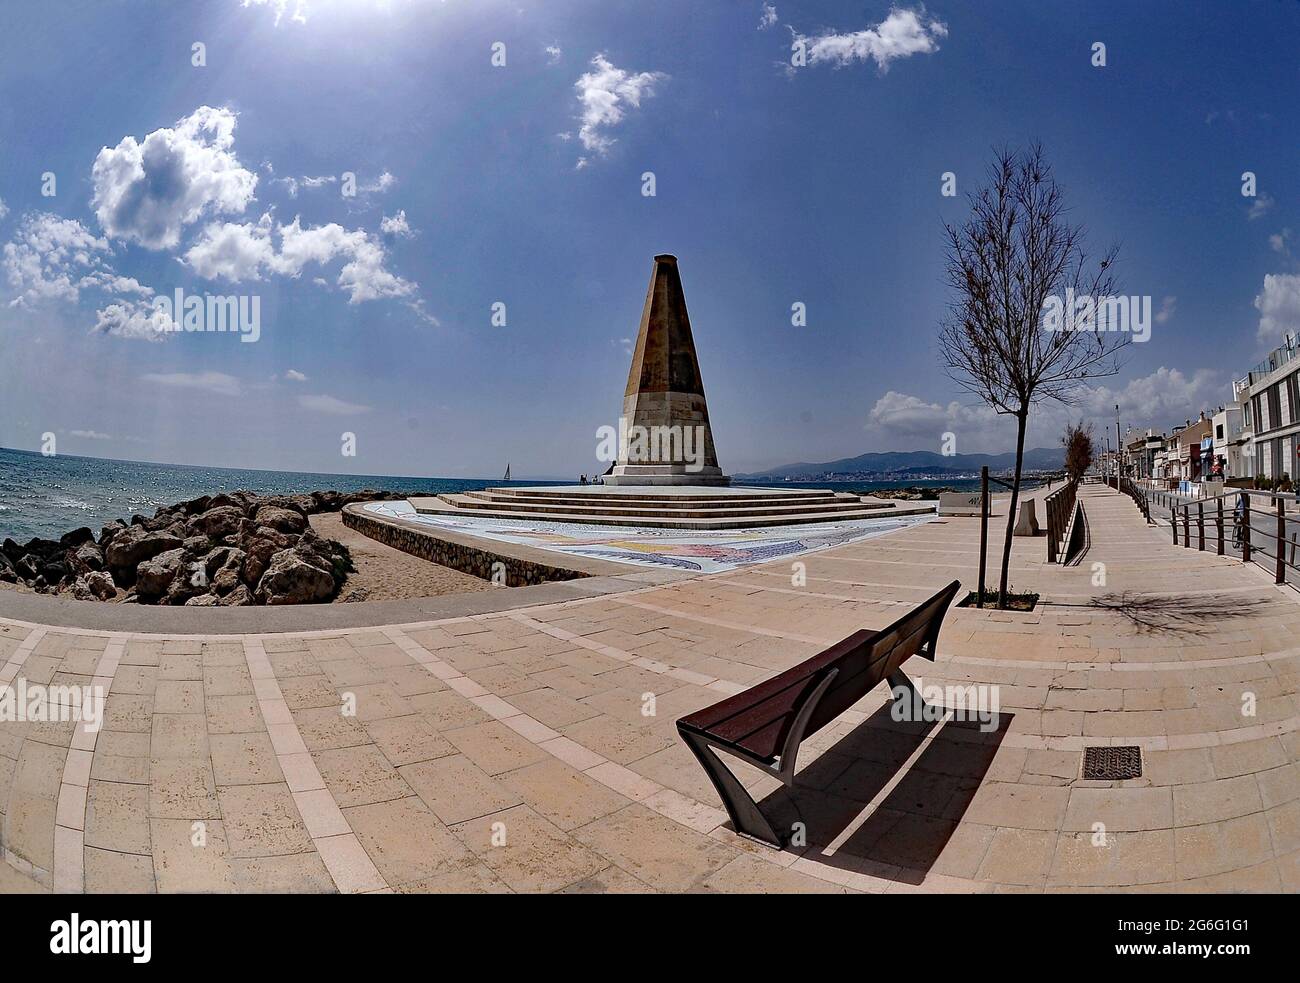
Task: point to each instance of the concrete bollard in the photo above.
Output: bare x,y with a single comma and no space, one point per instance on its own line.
1027,522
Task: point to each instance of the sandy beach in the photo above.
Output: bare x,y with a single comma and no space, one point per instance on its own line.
384,574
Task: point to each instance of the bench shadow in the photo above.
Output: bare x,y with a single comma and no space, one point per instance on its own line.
903,837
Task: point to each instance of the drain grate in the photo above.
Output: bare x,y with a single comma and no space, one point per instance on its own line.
1112,764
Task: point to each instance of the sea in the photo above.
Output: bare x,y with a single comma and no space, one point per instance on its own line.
48,496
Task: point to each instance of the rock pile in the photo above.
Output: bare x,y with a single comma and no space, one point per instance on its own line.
230,549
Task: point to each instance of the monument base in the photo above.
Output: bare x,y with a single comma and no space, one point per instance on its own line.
665,475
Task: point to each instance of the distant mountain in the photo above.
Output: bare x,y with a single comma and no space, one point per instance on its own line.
914,464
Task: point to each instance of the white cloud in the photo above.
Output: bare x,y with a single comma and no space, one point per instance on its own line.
4,209
1280,242
553,53
248,251
768,17
1261,206
900,421
904,32
49,259
1168,308
293,375
90,435
292,184
297,9
328,404
396,225
1279,306
135,319
146,192
605,94
217,383
381,183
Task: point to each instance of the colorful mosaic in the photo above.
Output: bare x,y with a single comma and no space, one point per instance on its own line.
703,551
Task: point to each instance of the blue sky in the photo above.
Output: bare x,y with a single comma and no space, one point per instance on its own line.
522,184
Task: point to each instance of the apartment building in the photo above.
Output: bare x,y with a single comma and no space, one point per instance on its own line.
1271,412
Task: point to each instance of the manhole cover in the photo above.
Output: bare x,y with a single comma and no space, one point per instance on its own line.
1112,764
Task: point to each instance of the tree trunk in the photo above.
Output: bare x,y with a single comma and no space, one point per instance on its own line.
1021,418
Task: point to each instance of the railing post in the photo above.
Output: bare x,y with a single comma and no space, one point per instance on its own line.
1220,524
1245,528
1281,538
1200,526
1187,528
984,529
1173,522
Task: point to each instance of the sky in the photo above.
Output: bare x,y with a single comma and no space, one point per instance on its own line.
438,212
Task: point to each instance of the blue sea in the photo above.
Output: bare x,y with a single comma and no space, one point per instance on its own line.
48,496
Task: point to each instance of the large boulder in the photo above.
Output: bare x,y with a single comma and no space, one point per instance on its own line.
155,575
87,557
259,548
75,538
290,579
238,597
216,522
109,531
7,572
242,500
202,601
135,544
281,519
101,585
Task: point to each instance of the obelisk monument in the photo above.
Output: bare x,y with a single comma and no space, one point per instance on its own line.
668,440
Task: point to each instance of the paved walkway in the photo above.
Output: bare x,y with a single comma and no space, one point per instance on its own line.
534,749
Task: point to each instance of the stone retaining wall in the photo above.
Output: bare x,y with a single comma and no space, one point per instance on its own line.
458,556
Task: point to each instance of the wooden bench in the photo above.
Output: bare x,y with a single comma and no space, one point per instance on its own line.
765,724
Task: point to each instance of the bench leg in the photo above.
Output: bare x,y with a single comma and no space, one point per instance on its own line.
743,810
900,680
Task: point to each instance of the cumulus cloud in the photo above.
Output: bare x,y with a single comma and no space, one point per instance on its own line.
1168,308
249,251
134,319
396,226
296,9
1261,206
147,191
768,17
218,383
321,403
293,375
605,94
1279,306
904,32
50,258
901,421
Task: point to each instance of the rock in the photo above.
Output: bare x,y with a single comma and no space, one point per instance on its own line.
101,585
216,522
155,575
75,538
87,557
81,590
202,601
197,545
242,500
29,566
240,596
196,506
280,519
135,544
292,580
7,572
259,549
109,531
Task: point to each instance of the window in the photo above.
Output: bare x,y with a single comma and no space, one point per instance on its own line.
1218,431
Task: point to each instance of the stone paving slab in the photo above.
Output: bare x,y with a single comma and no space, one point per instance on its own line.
532,748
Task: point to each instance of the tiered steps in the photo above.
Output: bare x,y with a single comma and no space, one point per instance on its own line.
673,508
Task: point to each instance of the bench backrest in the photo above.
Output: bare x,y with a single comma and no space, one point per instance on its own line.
759,718
865,663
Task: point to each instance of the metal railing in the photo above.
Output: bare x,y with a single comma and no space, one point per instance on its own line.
1139,496
1195,516
1060,511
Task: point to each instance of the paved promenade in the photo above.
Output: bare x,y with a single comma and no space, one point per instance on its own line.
533,749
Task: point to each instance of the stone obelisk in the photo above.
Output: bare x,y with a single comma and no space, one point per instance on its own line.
665,417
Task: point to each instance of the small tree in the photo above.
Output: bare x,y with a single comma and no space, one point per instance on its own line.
1079,449
1015,256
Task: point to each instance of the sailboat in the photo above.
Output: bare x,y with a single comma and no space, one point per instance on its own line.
507,477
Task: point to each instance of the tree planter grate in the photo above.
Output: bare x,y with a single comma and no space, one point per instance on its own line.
1112,764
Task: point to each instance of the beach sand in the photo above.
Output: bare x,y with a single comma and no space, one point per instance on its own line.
385,574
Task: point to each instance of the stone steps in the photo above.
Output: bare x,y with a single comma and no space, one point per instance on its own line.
615,505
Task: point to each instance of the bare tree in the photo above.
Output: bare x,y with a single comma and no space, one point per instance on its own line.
1016,255
1079,449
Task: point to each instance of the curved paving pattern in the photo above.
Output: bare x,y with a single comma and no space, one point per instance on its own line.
533,749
